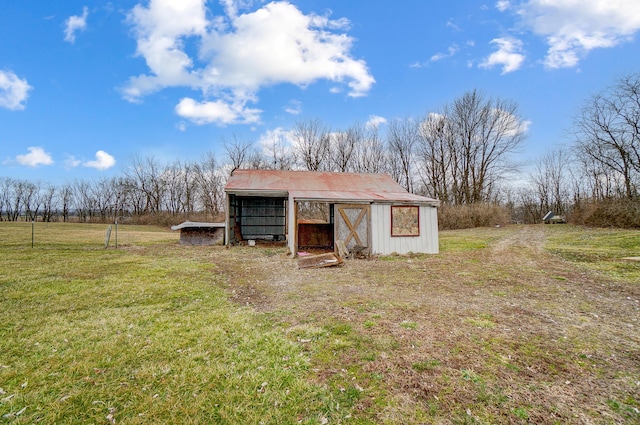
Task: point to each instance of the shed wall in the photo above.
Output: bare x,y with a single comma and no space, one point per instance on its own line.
202,236
262,218
383,243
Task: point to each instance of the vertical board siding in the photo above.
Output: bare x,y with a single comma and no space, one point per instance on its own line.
262,218
383,243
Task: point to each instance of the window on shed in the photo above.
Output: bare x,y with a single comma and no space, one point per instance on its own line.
405,220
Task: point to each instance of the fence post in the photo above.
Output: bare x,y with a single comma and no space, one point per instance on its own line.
107,237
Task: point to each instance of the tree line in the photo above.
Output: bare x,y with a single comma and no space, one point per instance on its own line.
463,154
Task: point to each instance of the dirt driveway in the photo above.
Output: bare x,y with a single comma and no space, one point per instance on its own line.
505,333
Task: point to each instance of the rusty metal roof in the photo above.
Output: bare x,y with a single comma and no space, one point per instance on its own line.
322,186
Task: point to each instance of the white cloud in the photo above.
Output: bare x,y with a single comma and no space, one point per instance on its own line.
14,91
278,136
71,161
159,30
572,28
231,7
75,23
453,25
294,107
375,121
514,125
102,162
36,156
508,55
503,5
239,53
219,112
453,49
279,44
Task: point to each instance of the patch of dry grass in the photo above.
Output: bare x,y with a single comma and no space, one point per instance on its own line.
519,324
495,329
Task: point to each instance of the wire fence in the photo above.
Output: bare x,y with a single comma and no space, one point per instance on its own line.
39,235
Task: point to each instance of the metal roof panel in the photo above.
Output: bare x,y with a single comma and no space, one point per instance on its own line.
310,185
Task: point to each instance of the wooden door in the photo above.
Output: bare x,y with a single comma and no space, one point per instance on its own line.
353,224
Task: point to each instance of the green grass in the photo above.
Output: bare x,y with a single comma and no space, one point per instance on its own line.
141,334
453,241
492,330
598,249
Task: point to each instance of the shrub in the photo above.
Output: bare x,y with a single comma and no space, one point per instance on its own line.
452,217
621,213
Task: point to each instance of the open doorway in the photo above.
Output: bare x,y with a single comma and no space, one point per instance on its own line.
315,226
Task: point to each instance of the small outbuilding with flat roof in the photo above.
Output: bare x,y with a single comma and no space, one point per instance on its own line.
195,233
363,212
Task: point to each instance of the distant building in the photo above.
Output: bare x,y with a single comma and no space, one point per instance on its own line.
552,218
368,212
193,233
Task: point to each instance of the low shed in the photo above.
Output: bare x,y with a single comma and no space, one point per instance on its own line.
368,212
194,233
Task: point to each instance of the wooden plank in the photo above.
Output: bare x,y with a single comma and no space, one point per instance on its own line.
322,260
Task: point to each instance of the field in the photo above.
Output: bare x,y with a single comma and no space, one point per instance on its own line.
520,324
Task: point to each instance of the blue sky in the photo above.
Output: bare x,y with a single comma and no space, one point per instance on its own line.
85,85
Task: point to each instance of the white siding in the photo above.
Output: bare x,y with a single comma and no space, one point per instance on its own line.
383,243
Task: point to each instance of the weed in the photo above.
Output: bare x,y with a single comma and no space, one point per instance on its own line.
520,413
408,324
426,365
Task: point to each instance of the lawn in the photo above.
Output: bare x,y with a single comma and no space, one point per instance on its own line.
523,324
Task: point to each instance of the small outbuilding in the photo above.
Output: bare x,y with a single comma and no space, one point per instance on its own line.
552,218
194,233
362,212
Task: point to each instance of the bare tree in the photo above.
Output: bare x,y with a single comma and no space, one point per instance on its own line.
489,130
276,154
598,180
48,196
238,152
434,156
190,188
607,131
32,200
66,200
257,161
85,204
17,196
145,176
176,184
210,184
6,196
343,147
311,145
103,192
465,151
402,136
370,154
551,181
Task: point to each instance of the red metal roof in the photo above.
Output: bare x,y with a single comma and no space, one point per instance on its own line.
317,186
